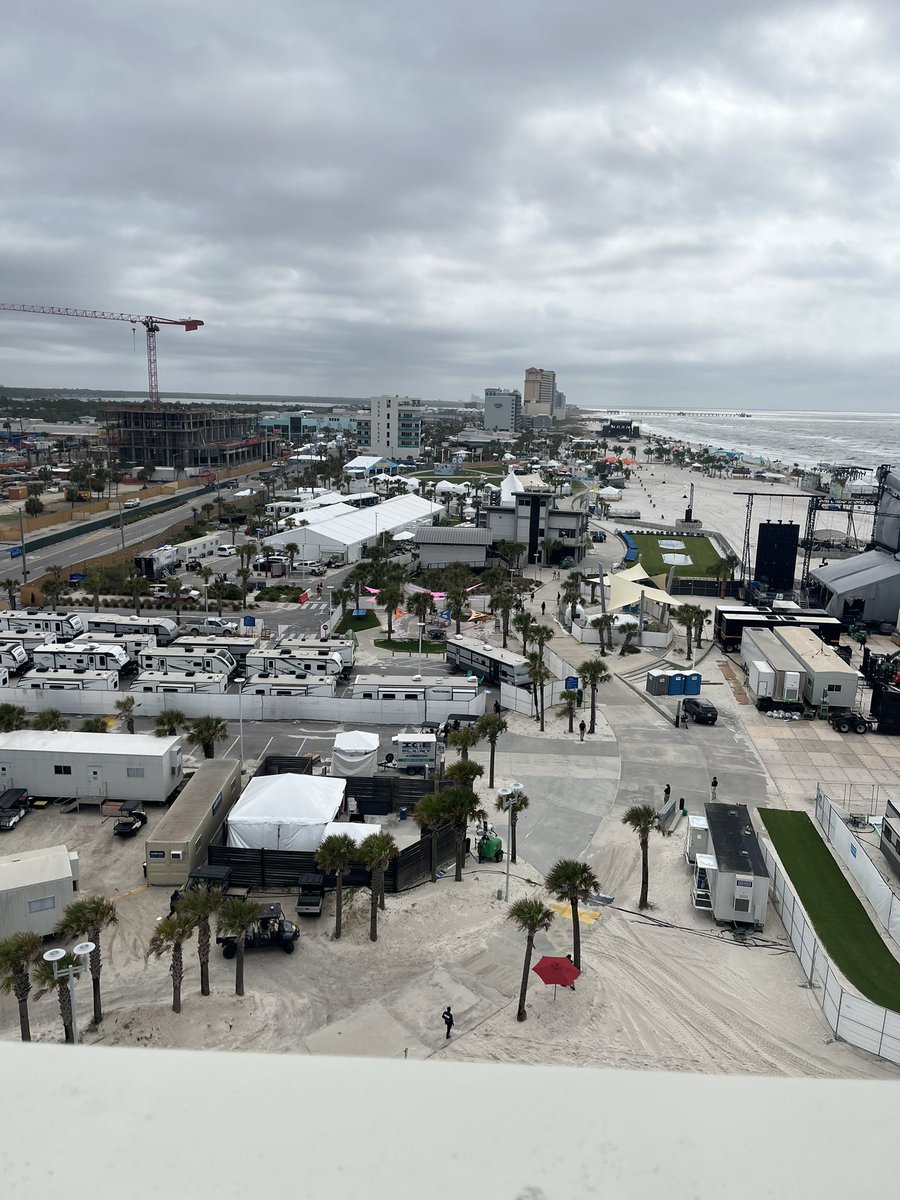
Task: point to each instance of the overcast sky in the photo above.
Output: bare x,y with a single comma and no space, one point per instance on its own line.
667,201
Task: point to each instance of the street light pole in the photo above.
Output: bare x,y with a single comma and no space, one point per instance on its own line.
71,973
240,687
421,631
22,546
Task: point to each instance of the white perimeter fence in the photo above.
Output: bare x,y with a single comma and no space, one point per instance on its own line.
855,857
850,1018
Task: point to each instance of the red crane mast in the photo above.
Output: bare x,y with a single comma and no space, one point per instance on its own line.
150,324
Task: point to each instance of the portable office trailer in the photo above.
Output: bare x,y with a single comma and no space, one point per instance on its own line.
201,547
489,662
828,628
304,647
186,682
162,628
13,656
112,765
35,887
284,662
75,679
65,626
134,644
761,645
731,874
288,685
185,658
180,840
237,647
760,678
386,687
91,656
829,680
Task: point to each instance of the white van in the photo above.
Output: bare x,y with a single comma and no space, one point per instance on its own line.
227,552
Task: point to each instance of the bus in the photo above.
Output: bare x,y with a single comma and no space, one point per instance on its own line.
35,620
287,685
489,663
76,679
163,629
181,681
278,661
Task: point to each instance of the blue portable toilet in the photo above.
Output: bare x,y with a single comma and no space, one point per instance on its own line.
676,684
692,683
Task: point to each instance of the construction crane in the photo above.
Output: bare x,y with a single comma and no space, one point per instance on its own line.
151,324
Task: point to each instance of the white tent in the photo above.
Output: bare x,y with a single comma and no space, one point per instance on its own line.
355,754
609,493
284,812
353,829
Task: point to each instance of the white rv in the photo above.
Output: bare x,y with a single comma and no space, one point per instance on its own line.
237,647
284,662
162,628
13,656
89,656
75,680
181,681
132,643
35,620
302,647
178,658
287,685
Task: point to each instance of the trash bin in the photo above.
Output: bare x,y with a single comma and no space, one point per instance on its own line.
402,814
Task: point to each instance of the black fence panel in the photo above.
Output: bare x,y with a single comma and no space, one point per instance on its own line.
285,764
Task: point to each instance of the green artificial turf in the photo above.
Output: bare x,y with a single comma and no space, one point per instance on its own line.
410,646
703,553
351,624
839,919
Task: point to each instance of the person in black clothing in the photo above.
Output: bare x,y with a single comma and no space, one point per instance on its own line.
667,792
582,729
713,784
543,607
571,985
497,708
173,900
447,1018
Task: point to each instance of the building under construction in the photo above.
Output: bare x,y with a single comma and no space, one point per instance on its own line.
185,437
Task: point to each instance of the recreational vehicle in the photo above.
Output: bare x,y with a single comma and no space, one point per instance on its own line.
180,841
176,657
61,765
181,681
28,641
201,547
13,656
162,628
301,647
33,620
284,662
134,644
287,685
85,655
77,679
489,663
384,687
237,647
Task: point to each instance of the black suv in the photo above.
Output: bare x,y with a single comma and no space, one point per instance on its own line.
703,712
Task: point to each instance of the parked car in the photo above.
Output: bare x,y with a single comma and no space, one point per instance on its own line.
227,552
132,503
704,712
188,593
211,626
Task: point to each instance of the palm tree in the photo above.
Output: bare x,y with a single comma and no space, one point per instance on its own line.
464,772
168,722
686,616
205,732
94,725
464,739
551,546
531,916
510,552
570,881
422,604
86,918
594,673
569,703
125,712
389,597
244,574
335,853
642,819
217,591
291,549
237,917
431,814
524,625
490,727
173,591
169,937
539,676
503,601
629,634
12,717
93,583
135,584
571,594
48,982
199,907
701,618
51,719
604,623
376,852
517,802
724,571
461,807
342,596
17,954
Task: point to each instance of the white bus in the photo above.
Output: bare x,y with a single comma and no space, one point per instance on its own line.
489,663
177,659
35,620
278,661
84,655
181,681
287,685
383,687
162,628
74,680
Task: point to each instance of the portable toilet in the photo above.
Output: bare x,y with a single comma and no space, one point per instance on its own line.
692,683
658,682
676,684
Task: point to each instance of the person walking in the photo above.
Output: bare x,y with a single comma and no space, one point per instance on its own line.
173,901
667,792
569,957
713,785
447,1018
543,607
582,730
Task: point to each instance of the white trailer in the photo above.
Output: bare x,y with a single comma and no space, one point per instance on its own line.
134,644
730,876
201,547
284,662
186,682
35,887
788,675
28,641
437,687
304,647
237,647
491,663
178,658
180,841
111,766
760,678
90,656
64,626
288,685
13,656
76,679
162,628
829,680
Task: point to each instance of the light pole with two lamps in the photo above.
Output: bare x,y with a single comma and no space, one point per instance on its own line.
509,796
240,681
70,974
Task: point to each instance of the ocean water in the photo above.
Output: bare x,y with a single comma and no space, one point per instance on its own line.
805,438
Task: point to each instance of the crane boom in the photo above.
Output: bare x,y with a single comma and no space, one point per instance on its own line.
151,325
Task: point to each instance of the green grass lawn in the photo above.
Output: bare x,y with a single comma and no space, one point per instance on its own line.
703,553
410,646
839,919
351,624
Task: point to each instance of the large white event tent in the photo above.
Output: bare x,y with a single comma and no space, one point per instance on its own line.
348,534
285,812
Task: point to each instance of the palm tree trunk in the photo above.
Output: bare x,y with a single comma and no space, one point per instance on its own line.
522,1015
381,889
203,940
65,1012
645,871
24,1021
390,621
434,863
98,1007
338,905
571,707
505,627
576,934
460,852
239,967
373,911
491,767
177,976
593,728
542,708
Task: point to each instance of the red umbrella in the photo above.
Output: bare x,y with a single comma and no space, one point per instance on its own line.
560,972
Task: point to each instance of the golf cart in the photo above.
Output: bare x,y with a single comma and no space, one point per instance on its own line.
490,848
272,929
131,819
311,894
204,879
